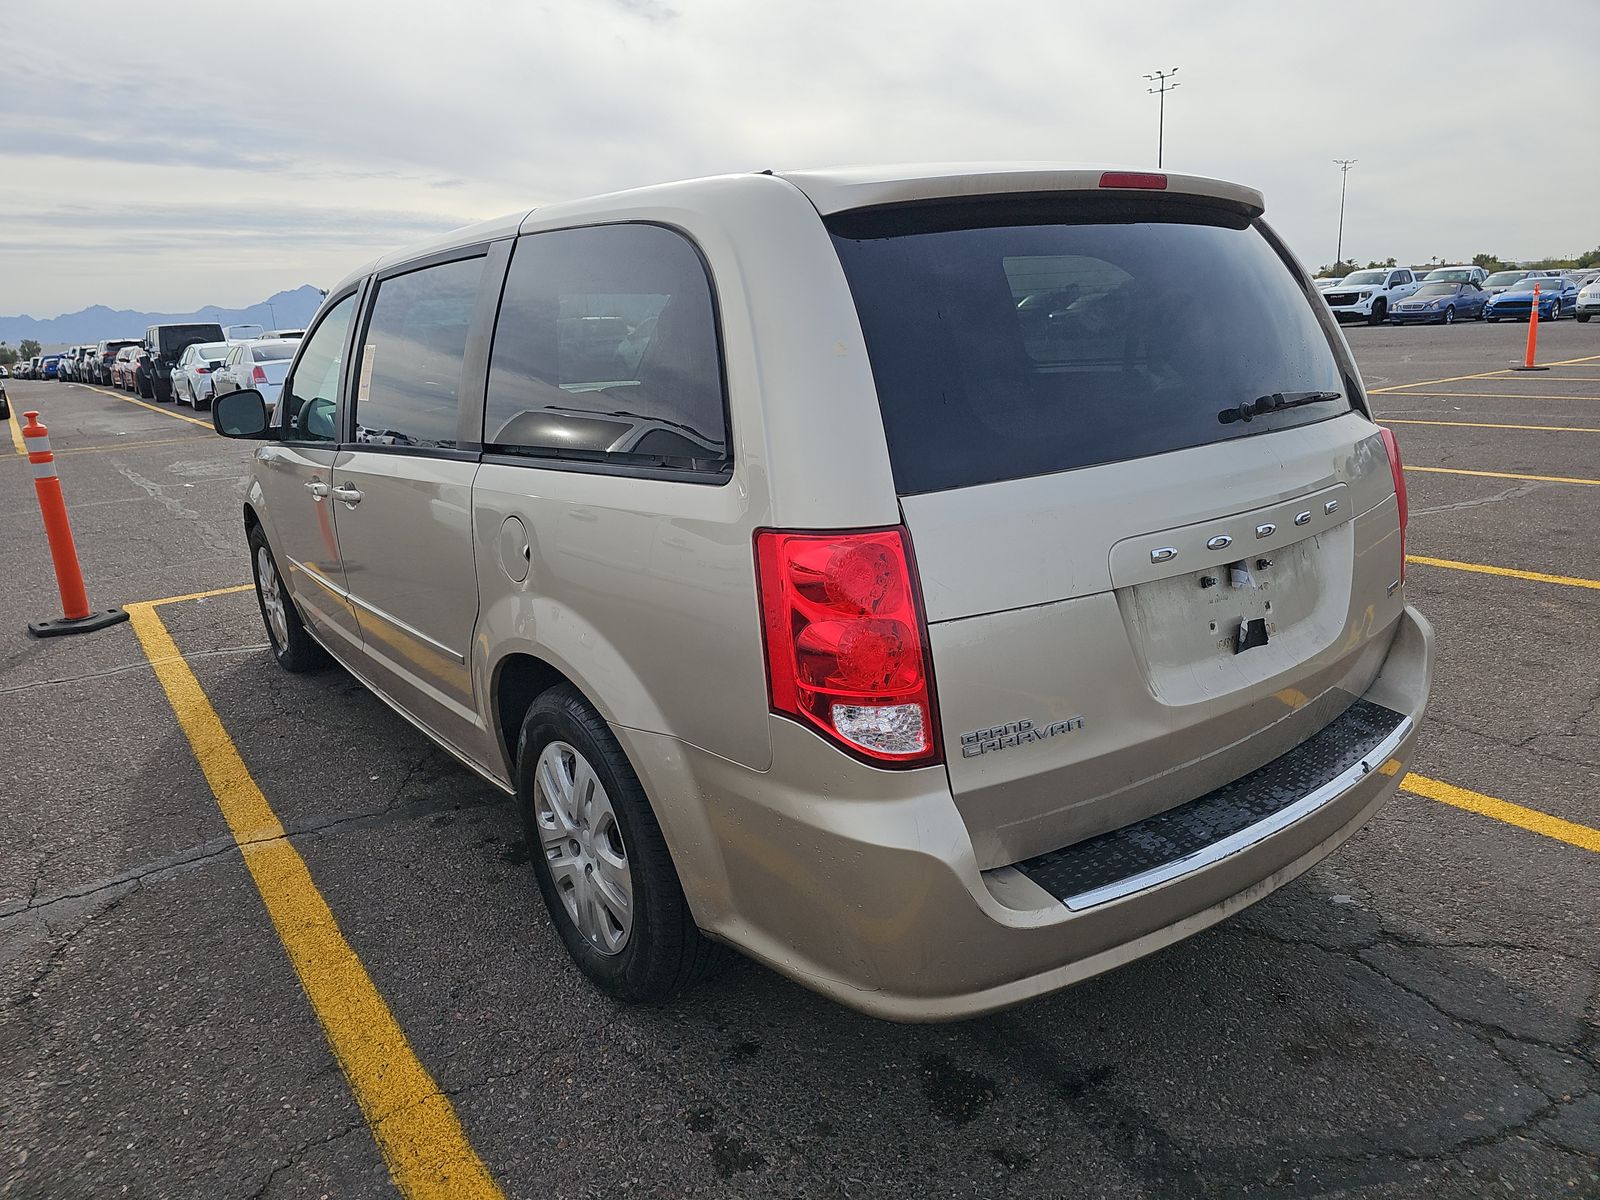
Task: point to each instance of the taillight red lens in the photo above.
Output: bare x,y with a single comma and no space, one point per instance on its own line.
1397,469
202,370
1134,179
847,646
258,376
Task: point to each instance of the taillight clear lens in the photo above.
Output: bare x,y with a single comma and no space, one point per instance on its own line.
847,647
1397,469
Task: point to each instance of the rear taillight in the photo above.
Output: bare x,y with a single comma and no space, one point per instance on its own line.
258,376
1134,179
202,370
1399,472
847,647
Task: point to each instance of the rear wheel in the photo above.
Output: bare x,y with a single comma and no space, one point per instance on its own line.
1380,310
291,645
601,861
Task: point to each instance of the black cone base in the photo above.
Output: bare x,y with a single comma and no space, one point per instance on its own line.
60,627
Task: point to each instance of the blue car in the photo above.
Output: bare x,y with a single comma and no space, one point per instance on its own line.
1443,302
1557,298
49,365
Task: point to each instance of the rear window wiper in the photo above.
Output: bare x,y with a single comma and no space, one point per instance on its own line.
1262,405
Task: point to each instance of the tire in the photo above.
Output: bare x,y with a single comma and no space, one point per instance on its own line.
1380,311
1450,315
1582,318
1555,312
1491,320
577,790
291,645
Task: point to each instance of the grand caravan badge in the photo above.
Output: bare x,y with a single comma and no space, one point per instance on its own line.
1013,733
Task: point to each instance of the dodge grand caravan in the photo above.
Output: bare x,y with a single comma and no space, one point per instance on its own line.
909,577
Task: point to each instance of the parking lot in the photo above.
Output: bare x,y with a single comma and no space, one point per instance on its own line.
371,995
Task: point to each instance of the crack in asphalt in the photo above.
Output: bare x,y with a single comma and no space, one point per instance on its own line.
293,1156
142,665
1522,489
223,846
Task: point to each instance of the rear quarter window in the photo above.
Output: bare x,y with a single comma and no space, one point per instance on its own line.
606,351
1009,340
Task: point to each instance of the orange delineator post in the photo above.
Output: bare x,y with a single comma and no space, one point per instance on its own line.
1533,334
76,617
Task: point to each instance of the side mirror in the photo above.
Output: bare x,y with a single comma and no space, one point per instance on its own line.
241,414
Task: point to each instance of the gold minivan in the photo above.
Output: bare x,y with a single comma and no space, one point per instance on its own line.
941,584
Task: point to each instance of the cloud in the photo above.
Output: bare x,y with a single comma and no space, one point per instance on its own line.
363,125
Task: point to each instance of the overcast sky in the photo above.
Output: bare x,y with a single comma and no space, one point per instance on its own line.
172,155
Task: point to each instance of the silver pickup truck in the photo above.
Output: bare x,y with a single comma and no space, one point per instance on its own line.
1369,295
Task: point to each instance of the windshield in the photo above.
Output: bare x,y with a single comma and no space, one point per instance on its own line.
1505,278
1457,273
1435,289
1019,338
1369,277
212,350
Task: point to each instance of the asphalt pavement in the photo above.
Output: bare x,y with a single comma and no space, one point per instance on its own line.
1416,1016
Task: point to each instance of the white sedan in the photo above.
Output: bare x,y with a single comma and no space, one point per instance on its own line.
191,378
261,364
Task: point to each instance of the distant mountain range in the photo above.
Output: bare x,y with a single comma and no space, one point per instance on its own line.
288,310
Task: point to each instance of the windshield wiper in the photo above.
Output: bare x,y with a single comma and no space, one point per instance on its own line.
1262,405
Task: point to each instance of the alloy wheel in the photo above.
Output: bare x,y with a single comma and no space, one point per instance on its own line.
583,846
272,602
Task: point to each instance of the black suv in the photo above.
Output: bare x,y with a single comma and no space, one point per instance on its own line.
163,344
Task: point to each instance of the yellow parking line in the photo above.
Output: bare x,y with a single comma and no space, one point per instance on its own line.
1395,387
1494,425
16,432
221,591
176,416
1504,475
193,437
1503,810
1506,395
414,1124
1507,572
1573,362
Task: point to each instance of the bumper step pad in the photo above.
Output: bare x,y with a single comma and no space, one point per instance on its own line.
1097,863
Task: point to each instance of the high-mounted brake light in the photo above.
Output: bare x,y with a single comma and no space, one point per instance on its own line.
1134,179
1397,469
847,646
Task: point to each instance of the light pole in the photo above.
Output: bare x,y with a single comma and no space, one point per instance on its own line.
1161,89
274,314
1344,165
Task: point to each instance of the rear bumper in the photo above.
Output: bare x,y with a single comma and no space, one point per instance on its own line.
863,884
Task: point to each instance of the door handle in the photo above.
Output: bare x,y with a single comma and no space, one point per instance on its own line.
317,488
347,494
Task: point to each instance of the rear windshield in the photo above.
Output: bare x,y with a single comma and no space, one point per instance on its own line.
1040,336
274,351
176,337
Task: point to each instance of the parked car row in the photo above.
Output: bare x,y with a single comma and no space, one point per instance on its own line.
1448,294
190,363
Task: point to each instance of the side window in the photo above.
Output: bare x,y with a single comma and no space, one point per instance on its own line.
412,356
606,351
311,395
